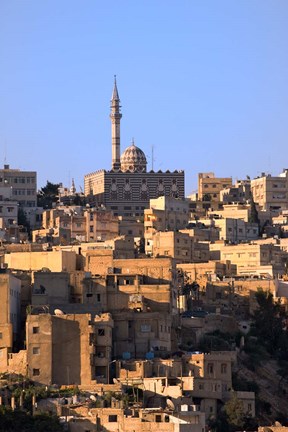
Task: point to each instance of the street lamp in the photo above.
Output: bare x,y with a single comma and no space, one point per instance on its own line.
108,370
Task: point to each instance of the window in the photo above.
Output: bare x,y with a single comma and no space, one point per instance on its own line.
98,297
223,368
101,332
145,328
158,418
36,350
35,330
210,368
112,418
1,335
36,372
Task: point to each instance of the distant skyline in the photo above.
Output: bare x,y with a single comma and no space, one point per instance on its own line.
202,82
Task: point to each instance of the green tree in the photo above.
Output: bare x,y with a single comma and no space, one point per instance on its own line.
268,322
253,218
21,421
48,195
234,410
22,220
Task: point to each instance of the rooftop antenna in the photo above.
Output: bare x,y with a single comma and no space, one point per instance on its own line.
152,159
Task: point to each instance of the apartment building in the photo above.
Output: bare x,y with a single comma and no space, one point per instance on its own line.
22,183
271,192
232,211
236,230
180,246
239,193
10,294
68,349
56,260
254,258
209,186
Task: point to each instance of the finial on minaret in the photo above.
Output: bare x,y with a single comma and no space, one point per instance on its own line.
115,95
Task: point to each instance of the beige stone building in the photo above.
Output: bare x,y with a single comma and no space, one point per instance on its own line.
57,260
271,192
101,225
115,419
258,259
8,212
10,294
164,214
238,193
205,378
68,349
209,186
22,183
211,269
234,230
180,246
65,224
232,211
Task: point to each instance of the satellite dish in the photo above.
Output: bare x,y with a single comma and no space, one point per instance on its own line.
93,398
58,312
278,424
170,404
115,381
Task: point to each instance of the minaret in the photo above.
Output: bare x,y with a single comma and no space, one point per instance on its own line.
115,117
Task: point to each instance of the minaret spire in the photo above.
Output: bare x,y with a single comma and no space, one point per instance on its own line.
115,116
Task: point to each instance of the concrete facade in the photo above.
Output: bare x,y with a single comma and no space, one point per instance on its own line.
210,186
10,294
68,349
23,184
271,192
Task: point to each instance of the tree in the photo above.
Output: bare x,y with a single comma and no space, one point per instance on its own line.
22,220
234,410
21,421
48,195
253,218
268,322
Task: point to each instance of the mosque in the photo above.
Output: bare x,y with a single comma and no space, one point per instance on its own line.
127,187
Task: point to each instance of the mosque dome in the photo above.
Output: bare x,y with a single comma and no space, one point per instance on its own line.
133,159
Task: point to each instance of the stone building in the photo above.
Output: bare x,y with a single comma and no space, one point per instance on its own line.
10,294
22,183
68,349
209,186
127,187
271,192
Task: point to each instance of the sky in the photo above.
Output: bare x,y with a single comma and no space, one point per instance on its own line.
202,83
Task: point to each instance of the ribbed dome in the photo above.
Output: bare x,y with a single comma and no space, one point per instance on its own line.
133,159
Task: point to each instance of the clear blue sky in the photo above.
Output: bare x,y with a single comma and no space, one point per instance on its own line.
204,82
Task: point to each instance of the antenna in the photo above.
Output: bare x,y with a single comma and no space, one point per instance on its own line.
152,158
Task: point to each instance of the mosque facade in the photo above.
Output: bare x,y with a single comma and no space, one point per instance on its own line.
127,187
